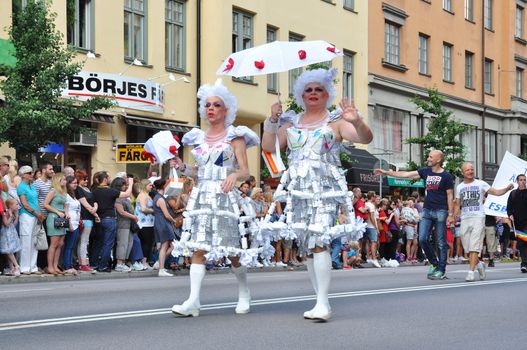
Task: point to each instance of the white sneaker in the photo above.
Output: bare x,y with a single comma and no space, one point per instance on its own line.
281,264
257,264
156,265
470,276
462,259
146,266
481,270
376,263
122,268
164,273
137,266
266,263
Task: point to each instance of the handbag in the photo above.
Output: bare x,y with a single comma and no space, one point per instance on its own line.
174,185
40,241
273,161
134,227
61,222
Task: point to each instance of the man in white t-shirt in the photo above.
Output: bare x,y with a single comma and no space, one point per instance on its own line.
371,236
469,205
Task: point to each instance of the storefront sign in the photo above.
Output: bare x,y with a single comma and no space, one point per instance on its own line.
128,92
130,153
396,182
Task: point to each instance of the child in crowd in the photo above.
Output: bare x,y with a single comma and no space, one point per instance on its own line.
9,241
350,255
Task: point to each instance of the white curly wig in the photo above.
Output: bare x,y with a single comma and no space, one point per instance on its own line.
321,76
218,90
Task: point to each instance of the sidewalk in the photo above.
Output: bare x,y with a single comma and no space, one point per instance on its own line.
153,273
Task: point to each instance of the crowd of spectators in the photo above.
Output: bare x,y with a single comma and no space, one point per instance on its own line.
121,224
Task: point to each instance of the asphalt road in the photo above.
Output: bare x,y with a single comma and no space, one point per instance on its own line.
372,309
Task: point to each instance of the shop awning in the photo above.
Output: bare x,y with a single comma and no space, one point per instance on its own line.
360,172
158,124
100,118
7,51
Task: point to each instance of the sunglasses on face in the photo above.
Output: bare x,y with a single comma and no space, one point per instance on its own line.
310,90
215,105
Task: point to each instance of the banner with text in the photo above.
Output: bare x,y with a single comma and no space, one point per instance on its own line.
510,167
130,153
128,92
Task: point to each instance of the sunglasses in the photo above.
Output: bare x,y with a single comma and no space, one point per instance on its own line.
310,90
215,104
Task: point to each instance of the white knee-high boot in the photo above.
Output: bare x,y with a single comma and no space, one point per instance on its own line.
244,296
313,279
191,306
322,268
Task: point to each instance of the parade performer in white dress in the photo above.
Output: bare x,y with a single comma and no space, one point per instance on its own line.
213,225
314,186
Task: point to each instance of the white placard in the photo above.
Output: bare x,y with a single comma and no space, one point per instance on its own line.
510,167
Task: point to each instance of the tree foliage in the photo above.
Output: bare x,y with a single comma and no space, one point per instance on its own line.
443,133
34,113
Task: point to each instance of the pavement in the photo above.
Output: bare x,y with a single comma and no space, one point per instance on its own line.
34,278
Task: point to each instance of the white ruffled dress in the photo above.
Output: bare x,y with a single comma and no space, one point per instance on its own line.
314,188
213,221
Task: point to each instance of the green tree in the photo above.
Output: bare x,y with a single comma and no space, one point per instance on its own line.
35,114
443,133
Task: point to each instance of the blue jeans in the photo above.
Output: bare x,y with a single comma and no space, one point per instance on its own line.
336,247
137,252
106,240
69,244
436,218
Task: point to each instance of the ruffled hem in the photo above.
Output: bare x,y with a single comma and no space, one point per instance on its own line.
193,137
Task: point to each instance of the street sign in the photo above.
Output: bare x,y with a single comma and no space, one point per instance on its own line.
130,153
397,182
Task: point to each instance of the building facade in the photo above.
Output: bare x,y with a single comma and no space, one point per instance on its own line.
472,51
164,43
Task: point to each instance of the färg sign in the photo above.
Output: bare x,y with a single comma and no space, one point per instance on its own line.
130,153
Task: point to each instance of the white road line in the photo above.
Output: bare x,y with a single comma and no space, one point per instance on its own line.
25,290
153,312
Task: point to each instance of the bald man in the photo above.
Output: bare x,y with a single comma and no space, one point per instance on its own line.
469,203
438,209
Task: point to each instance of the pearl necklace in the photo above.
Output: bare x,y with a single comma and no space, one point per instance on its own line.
313,124
216,138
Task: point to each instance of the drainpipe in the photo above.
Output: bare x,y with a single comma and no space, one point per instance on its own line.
483,90
198,58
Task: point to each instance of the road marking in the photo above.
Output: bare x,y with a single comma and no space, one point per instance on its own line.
154,312
25,290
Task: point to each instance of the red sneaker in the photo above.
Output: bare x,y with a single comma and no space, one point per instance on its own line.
85,268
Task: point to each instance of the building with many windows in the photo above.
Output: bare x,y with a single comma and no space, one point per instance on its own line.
473,51
160,44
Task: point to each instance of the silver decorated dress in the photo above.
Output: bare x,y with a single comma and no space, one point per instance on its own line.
214,221
314,188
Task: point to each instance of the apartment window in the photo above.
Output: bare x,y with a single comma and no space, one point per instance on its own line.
490,146
272,79
294,73
469,69
488,14
80,23
242,33
470,140
519,22
469,10
447,5
242,30
348,74
175,34
135,29
447,62
487,76
349,4
523,144
519,82
391,127
423,53
392,43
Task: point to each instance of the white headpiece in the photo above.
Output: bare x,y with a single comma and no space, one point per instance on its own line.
321,76
218,90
